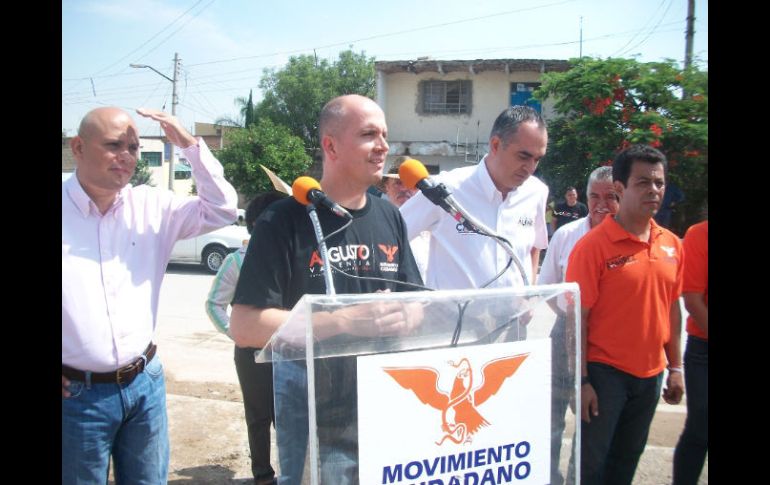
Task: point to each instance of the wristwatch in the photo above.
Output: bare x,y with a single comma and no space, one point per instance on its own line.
584,380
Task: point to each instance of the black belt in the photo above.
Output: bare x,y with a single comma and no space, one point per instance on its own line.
124,375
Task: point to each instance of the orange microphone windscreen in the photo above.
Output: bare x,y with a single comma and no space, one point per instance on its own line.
412,171
302,186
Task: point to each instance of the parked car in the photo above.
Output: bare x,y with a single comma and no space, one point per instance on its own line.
211,248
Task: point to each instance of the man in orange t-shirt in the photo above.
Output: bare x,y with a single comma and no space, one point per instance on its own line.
629,270
693,445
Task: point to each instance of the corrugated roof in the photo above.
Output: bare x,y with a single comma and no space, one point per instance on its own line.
474,66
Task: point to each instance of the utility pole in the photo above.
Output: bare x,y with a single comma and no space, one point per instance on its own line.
174,102
689,34
581,37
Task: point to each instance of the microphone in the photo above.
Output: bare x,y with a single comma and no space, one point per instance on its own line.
307,190
413,174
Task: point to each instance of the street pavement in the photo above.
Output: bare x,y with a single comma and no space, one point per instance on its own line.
206,425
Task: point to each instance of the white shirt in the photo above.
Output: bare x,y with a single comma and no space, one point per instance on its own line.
420,247
554,267
460,259
113,264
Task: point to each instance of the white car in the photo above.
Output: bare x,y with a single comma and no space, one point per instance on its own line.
210,249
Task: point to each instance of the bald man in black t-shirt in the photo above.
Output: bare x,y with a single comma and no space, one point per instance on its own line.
282,264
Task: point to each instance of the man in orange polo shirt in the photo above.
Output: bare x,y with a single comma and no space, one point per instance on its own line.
693,445
629,270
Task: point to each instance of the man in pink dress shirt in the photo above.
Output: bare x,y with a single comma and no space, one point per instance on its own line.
116,242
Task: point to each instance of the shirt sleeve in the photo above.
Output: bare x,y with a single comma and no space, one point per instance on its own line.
407,268
696,276
215,205
420,215
550,273
266,268
222,291
541,231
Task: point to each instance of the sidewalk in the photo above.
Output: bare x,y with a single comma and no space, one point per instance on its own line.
206,424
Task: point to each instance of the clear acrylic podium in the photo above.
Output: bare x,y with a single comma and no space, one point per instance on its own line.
465,396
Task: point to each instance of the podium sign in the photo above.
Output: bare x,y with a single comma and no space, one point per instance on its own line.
480,414
463,397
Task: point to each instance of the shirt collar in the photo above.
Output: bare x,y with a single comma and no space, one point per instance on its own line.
617,233
486,184
83,202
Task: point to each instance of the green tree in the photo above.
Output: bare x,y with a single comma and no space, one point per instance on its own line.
603,106
261,143
246,113
294,95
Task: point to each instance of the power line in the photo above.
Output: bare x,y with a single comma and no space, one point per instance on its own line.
122,59
177,30
390,34
651,30
649,21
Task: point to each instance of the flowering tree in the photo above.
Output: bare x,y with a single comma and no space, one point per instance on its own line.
603,106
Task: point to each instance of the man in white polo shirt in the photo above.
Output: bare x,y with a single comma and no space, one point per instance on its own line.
499,191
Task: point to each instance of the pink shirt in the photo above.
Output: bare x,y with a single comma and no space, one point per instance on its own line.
113,264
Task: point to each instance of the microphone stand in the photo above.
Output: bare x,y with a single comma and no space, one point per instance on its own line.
310,362
319,235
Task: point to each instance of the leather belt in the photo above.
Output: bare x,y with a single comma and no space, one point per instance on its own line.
124,375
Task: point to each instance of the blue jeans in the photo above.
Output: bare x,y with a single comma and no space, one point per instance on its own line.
291,418
613,441
336,416
693,445
126,421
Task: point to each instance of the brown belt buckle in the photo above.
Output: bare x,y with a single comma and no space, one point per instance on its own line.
117,376
130,368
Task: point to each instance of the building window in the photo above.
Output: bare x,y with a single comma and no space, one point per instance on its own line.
446,97
153,159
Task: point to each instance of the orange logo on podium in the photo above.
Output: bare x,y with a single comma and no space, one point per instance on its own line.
459,415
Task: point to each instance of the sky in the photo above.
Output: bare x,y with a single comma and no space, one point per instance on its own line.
225,45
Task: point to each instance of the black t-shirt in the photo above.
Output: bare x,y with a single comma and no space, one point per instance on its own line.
565,214
282,261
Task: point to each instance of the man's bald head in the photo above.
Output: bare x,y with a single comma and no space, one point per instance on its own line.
334,112
97,120
106,149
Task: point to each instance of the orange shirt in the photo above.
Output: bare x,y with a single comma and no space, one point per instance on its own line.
696,268
629,285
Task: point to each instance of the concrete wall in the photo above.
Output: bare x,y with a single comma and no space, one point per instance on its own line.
490,94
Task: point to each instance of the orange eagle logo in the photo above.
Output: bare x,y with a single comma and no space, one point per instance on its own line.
459,416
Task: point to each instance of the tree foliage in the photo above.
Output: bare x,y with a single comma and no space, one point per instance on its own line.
295,94
604,106
263,143
246,115
142,174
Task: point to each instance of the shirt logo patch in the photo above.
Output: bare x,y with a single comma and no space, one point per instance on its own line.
620,261
343,257
462,230
388,250
671,252
526,221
